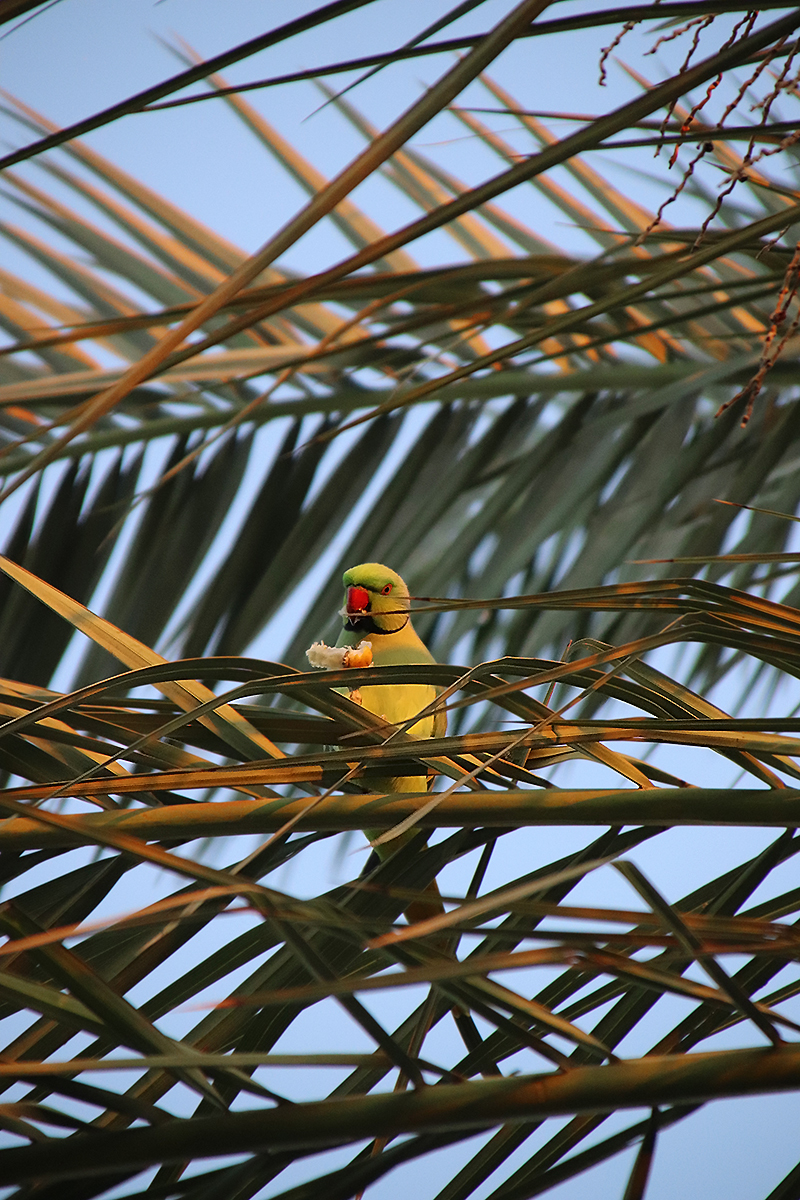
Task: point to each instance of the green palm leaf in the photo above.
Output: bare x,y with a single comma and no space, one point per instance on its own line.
196,442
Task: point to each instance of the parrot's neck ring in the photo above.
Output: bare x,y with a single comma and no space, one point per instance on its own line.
358,623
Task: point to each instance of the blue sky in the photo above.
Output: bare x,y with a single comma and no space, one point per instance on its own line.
83,55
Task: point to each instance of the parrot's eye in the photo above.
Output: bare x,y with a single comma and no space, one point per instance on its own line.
385,590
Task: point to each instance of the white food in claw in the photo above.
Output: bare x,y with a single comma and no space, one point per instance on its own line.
333,657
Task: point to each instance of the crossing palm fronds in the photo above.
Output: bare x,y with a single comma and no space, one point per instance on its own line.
197,441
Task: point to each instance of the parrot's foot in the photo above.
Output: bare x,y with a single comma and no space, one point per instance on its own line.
332,657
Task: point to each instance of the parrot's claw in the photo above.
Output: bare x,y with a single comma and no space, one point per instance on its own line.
332,658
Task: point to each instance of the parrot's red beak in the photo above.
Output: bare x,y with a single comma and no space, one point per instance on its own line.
357,601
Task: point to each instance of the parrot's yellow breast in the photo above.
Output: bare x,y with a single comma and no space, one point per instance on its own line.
399,703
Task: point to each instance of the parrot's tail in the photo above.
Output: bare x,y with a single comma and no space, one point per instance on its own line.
429,902
428,905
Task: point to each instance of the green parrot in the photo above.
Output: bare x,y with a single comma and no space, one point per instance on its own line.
376,609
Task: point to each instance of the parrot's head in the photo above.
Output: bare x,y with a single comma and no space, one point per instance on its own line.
376,600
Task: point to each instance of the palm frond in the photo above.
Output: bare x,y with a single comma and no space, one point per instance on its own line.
197,441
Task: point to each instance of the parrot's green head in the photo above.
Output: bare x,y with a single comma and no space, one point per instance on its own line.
376,600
